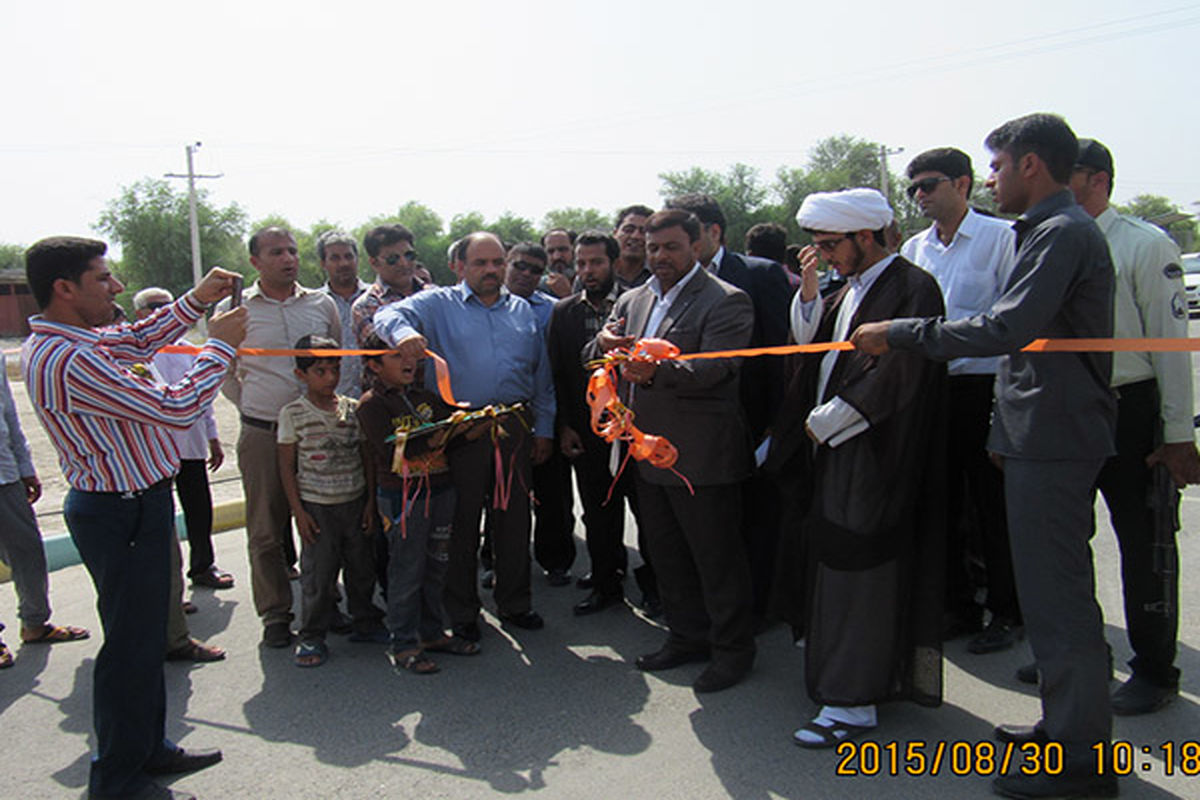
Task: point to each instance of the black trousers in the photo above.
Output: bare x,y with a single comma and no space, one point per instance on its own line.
976,493
703,577
473,472
554,526
195,499
1151,596
603,522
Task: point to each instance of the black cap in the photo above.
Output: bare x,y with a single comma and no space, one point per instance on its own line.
1095,156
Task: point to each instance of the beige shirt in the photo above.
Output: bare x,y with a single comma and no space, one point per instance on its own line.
261,385
1150,302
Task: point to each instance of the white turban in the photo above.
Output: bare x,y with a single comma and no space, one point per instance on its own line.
844,212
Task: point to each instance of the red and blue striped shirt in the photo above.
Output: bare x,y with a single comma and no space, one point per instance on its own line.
107,418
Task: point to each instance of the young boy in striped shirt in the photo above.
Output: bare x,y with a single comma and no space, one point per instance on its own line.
323,465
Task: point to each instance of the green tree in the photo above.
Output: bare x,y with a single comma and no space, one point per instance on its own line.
12,256
150,222
1160,211
739,191
462,224
512,229
430,241
577,219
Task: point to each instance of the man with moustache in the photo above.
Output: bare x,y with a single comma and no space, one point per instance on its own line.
338,253
280,312
559,244
1053,427
390,249
497,355
971,255
630,269
859,447
692,526
575,322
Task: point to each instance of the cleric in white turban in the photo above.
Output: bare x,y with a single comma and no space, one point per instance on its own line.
845,211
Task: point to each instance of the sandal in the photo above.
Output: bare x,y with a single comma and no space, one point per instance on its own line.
6,656
53,634
830,735
197,652
454,645
414,661
311,654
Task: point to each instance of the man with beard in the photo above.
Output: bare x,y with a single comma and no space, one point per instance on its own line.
971,255
1053,428
860,441
559,244
496,355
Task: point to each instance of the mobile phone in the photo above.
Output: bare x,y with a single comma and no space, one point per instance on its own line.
235,299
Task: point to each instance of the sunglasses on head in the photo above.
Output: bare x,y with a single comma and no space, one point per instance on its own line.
925,185
392,259
525,266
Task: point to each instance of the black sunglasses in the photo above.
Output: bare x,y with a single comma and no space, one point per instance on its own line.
392,259
926,185
525,266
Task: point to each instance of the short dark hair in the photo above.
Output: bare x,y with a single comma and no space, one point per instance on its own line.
335,237
767,240
314,342
1047,136
527,249
270,230
704,206
570,235
950,161
637,208
374,341
464,244
56,257
611,248
672,218
381,236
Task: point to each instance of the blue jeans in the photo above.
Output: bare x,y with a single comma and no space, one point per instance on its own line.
125,545
418,553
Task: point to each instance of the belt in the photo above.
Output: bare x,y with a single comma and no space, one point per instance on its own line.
259,423
133,494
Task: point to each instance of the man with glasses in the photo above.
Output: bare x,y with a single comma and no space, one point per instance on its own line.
553,534
971,255
860,447
390,248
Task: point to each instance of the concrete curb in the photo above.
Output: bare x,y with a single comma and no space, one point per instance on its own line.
61,552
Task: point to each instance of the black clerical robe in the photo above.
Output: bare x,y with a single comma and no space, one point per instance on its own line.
862,543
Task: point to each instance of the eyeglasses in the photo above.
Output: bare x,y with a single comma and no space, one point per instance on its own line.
925,185
392,259
827,246
525,266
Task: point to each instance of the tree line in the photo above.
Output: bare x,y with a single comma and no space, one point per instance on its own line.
149,219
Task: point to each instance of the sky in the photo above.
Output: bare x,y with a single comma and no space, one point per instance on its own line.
342,111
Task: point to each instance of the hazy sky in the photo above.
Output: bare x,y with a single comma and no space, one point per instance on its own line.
344,110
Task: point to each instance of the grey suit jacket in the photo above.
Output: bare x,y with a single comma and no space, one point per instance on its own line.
694,403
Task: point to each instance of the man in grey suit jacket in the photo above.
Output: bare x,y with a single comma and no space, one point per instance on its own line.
1053,426
692,531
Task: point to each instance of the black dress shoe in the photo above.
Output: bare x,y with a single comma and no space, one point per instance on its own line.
1028,673
1000,634
669,658
1021,734
151,791
652,605
1139,696
584,582
529,620
1068,783
558,577
715,678
181,760
467,630
597,601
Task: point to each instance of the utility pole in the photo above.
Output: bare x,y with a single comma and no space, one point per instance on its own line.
191,176
884,152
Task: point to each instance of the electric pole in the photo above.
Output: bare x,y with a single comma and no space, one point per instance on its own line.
884,152
191,176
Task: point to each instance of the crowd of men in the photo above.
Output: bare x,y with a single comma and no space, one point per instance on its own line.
934,482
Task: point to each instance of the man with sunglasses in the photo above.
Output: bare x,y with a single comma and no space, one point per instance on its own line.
554,530
859,449
390,249
971,255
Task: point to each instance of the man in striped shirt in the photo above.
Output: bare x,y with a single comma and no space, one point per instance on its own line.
108,418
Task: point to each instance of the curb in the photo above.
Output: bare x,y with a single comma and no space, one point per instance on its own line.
61,552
